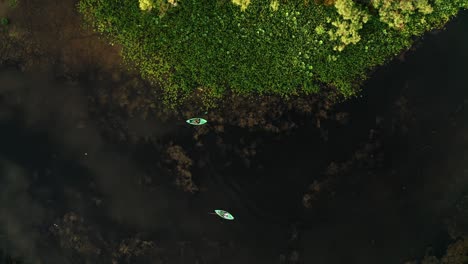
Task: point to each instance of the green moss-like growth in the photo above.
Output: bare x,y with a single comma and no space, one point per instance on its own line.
262,46
4,21
13,3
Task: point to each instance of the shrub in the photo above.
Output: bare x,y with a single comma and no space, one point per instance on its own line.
265,46
13,3
397,14
4,21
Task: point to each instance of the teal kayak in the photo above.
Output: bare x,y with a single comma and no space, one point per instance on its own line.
196,121
224,214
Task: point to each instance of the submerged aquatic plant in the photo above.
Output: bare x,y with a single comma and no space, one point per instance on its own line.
4,21
13,3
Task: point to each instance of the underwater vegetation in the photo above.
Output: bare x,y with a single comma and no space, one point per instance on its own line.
4,21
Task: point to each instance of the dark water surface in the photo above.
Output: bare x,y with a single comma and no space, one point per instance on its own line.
52,164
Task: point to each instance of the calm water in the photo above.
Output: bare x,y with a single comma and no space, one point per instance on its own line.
51,162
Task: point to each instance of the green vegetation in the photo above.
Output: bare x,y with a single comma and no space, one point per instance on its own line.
4,21
456,253
12,3
263,46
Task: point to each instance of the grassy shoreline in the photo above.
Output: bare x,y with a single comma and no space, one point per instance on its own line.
291,51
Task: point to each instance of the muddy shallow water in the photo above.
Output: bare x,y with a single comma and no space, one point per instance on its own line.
395,170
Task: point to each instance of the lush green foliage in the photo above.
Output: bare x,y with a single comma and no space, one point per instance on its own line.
348,25
4,21
264,46
12,3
